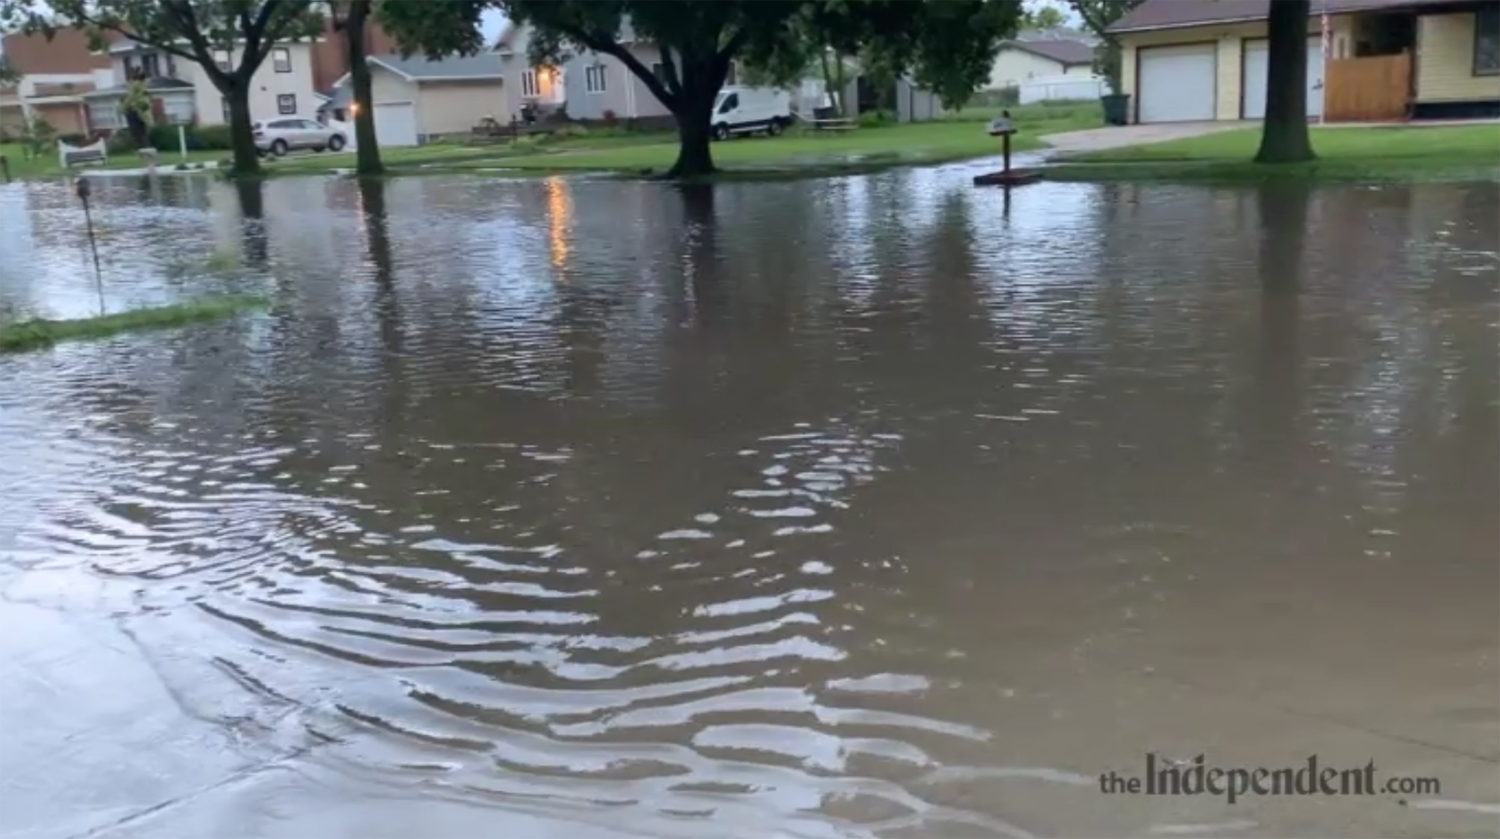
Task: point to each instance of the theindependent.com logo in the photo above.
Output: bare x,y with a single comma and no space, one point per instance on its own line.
1165,776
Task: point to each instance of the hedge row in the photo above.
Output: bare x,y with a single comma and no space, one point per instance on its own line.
164,138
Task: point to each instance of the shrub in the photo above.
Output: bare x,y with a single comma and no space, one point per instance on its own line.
873,119
164,138
610,117
210,137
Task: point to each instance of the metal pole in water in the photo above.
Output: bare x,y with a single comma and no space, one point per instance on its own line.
82,188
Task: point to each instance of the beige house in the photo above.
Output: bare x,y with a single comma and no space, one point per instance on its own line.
1190,60
416,99
1018,62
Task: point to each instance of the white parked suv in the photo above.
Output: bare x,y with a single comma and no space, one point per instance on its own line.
279,136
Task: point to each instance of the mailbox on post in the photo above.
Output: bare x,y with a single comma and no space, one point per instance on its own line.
1003,128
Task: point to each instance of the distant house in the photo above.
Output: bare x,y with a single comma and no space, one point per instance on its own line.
54,75
1186,60
1019,61
416,99
543,88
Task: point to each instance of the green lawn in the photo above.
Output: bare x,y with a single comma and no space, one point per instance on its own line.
1344,153
956,137
39,333
46,165
869,147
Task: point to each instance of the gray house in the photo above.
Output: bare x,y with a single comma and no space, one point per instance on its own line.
602,87
544,88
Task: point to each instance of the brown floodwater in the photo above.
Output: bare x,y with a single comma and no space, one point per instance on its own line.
876,506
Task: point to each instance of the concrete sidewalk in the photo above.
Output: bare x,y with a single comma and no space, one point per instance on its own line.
1119,136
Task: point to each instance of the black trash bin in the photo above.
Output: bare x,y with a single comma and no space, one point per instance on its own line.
1116,108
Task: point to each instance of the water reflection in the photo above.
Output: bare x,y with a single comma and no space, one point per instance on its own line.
828,509
252,203
1283,210
559,213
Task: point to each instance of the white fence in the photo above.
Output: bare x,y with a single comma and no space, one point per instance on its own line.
1061,87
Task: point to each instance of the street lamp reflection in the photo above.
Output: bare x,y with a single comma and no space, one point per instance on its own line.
559,216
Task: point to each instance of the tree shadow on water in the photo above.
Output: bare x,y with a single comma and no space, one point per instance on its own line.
1282,210
701,256
251,193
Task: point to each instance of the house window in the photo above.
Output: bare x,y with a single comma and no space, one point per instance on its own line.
104,115
286,103
221,58
594,80
529,87
1487,40
151,66
281,60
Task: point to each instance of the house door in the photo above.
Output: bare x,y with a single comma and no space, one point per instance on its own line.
1256,64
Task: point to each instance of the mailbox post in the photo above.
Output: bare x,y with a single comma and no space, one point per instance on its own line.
1002,127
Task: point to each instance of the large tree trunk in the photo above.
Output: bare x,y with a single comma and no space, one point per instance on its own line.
246,160
1284,137
694,113
367,147
695,157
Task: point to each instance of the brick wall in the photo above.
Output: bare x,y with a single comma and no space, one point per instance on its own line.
67,52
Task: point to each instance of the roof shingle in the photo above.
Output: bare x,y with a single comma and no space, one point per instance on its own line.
1067,53
1172,14
482,66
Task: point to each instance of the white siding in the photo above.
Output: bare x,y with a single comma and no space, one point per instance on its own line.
266,86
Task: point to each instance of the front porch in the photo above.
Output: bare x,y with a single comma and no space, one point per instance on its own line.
1433,63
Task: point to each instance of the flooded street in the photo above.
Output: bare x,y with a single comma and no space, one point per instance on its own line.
870,507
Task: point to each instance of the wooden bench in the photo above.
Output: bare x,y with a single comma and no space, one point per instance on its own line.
71,156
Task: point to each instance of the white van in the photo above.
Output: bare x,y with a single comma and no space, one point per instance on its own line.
746,110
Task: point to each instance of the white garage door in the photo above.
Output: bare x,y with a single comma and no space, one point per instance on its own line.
1176,84
396,123
1255,78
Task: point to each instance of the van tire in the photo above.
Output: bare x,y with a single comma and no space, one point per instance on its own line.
721,131
774,128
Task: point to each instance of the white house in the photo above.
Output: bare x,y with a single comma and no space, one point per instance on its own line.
1020,61
282,86
526,84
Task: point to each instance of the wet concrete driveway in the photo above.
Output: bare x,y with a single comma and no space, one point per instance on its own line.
1121,136
876,506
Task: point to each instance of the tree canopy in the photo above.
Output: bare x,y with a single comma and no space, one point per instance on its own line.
1044,17
948,45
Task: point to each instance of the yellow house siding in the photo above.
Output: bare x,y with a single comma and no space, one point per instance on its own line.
1445,61
1229,50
